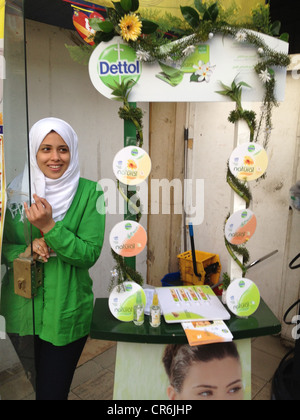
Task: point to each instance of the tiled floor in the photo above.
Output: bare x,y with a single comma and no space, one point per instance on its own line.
94,376
267,352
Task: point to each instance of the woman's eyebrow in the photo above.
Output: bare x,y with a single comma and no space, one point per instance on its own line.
205,386
234,382
50,145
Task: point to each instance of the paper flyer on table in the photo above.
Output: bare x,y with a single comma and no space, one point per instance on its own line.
206,332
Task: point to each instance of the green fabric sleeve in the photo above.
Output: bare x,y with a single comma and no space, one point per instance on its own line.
81,249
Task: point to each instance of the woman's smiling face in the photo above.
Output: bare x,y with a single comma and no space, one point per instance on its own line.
53,156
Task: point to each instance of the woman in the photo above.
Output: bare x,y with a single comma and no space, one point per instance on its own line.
208,372
67,233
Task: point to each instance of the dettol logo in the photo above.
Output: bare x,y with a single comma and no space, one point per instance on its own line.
117,63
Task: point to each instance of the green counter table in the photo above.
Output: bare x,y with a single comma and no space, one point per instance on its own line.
140,349
106,327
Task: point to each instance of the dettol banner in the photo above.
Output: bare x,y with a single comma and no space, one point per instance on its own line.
195,79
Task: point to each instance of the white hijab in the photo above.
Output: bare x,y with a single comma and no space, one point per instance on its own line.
58,192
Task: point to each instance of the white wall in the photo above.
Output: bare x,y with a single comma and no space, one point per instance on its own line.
61,88
213,145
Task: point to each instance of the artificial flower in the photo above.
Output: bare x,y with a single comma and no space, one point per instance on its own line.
131,27
265,76
204,71
189,50
114,273
143,55
241,36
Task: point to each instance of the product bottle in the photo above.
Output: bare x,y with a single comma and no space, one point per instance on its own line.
139,310
155,312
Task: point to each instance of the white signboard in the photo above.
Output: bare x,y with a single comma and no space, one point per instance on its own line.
197,77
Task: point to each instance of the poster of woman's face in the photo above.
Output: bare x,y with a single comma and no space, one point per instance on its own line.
159,372
209,372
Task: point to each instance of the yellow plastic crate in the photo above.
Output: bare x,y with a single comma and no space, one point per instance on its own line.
208,265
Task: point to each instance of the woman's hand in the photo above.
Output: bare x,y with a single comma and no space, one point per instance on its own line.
40,214
39,249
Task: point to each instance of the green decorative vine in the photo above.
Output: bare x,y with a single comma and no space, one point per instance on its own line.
234,92
239,187
235,251
122,273
121,92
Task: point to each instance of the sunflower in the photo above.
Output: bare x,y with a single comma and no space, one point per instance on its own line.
131,27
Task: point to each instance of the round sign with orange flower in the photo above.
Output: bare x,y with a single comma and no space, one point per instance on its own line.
132,165
248,162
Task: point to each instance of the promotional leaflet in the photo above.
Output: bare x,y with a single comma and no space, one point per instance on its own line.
206,332
191,303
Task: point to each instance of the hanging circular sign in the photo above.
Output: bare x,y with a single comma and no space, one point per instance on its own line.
132,165
243,297
248,162
112,63
240,227
123,299
128,239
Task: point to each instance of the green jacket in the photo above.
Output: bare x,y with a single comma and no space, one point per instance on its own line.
63,307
